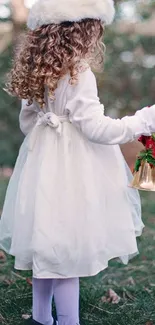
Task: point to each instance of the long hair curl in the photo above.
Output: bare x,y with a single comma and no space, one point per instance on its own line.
51,51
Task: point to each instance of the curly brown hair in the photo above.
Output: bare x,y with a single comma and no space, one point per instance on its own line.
51,51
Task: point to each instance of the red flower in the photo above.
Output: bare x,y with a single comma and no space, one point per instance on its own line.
147,141
144,139
149,144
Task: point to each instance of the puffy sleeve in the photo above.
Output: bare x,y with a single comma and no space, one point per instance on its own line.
28,116
86,113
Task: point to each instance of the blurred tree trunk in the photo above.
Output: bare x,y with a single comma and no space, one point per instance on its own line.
5,36
19,17
19,12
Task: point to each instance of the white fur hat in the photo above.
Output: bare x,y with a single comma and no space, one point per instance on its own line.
45,12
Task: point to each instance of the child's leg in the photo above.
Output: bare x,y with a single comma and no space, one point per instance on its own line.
42,301
66,296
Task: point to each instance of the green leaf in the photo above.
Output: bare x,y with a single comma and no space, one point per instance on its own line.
137,165
151,160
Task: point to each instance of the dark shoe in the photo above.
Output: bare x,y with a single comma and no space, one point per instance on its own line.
31,321
55,322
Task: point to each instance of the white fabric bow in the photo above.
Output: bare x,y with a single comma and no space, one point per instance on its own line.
50,119
46,119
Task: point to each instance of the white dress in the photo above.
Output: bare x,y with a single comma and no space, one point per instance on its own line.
68,208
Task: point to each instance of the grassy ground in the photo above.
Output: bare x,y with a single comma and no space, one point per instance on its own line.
135,284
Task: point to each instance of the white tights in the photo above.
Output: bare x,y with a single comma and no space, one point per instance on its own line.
66,297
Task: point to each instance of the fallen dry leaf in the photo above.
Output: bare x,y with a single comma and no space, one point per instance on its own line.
111,297
6,172
29,281
26,316
2,256
149,323
8,281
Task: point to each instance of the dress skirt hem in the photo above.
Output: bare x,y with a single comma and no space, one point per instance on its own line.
49,275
